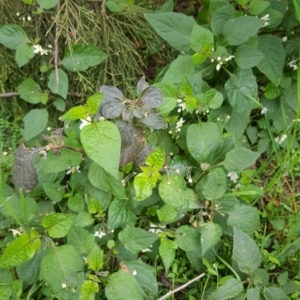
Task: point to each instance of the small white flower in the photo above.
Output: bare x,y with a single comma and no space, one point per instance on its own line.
5,153
218,67
205,166
37,48
212,60
180,123
190,180
293,64
85,259
64,285
182,106
179,100
276,139
84,122
43,154
155,230
101,119
266,17
266,24
50,46
284,39
177,171
146,250
17,14
134,272
29,18
72,170
233,176
219,58
44,52
230,57
99,234
264,110
15,232
283,138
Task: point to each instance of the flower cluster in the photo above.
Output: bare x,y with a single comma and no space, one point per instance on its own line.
181,104
39,49
281,139
266,18
220,62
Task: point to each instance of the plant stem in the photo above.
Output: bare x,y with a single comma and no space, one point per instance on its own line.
56,43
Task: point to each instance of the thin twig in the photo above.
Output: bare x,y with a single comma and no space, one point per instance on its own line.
56,43
181,287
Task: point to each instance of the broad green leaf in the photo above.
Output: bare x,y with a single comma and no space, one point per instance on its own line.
231,288
166,214
253,293
82,57
54,191
116,6
202,40
188,238
173,192
143,186
185,89
220,16
245,218
145,278
210,235
169,97
237,123
122,286
136,239
18,251
180,68
215,185
60,104
102,143
156,159
30,91
58,224
35,122
95,258
274,293
82,240
239,87
76,203
75,113
12,36
256,7
175,28
88,290
273,63
47,4
238,30
93,103
272,91
247,56
59,83
83,219
103,180
246,253
200,137
6,280
59,267
57,163
23,54
212,98
167,251
120,213
168,6
240,158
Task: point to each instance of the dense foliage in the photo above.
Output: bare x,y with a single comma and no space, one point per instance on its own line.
136,191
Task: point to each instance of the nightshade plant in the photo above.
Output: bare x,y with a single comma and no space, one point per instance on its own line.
106,203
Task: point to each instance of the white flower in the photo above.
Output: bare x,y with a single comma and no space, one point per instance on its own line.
266,17
101,119
134,272
146,250
293,64
266,24
84,122
5,153
276,139
43,51
218,67
284,39
180,123
190,180
64,285
49,46
29,18
282,139
72,170
264,110
43,154
205,166
37,48
219,58
233,176
182,106
230,57
15,232
99,234
17,14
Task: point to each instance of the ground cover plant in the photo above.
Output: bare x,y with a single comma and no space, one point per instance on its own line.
183,188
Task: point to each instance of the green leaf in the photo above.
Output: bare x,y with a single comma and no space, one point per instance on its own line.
180,68
210,235
253,293
12,36
88,290
102,143
246,253
256,7
220,16
166,214
23,54
81,239
229,290
18,251
57,163
188,238
247,56
175,28
58,224
47,4
202,40
76,203
59,83
6,280
212,98
75,113
60,104
245,218
240,158
54,191
30,91
173,192
59,267
156,159
237,31
122,286
145,279
274,293
95,258
136,239
93,103
273,63
116,6
143,186
215,185
83,219
167,251
272,91
120,213
239,87
82,57
200,138
106,182
35,122
237,123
